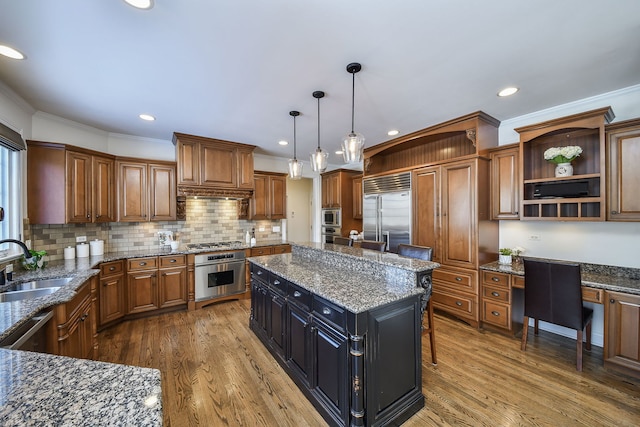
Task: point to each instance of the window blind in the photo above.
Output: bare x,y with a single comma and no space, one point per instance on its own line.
11,139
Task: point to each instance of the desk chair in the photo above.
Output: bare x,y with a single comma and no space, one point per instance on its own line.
423,253
342,241
553,293
372,244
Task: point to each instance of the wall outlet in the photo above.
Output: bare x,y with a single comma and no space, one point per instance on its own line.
27,243
276,229
81,239
260,228
535,237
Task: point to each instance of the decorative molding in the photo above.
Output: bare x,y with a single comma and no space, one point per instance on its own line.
471,136
214,193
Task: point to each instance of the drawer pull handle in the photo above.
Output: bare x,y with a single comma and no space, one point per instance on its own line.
495,313
259,273
326,311
111,268
276,282
297,294
495,279
174,260
143,263
458,303
495,294
458,279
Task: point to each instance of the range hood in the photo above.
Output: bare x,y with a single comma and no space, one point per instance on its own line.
214,193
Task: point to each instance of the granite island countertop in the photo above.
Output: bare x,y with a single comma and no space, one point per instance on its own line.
356,279
610,278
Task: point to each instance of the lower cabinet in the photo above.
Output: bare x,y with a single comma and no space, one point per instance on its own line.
367,373
111,292
155,283
622,333
73,327
455,290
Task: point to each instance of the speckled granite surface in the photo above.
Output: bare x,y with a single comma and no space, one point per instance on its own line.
353,278
43,390
619,279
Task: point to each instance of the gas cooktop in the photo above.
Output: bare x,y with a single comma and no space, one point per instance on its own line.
214,245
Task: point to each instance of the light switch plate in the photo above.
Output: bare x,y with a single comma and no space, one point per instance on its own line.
276,229
81,239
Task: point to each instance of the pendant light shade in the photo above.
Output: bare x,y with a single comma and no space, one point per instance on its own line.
295,165
353,143
319,158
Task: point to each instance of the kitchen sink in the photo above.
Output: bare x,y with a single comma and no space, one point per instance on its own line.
40,284
27,294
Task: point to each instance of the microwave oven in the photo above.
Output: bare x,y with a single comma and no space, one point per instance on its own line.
331,217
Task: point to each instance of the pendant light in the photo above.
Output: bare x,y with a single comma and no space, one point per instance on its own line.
353,143
319,158
295,165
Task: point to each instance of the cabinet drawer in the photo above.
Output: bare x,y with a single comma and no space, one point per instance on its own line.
495,293
143,263
278,284
459,280
83,294
329,312
282,249
111,268
496,314
299,295
517,281
592,295
459,304
261,251
495,279
259,273
173,261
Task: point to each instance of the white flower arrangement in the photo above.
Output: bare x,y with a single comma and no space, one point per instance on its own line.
562,154
517,251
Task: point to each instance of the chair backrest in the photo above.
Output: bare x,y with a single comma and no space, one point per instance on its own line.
372,244
414,251
553,293
342,241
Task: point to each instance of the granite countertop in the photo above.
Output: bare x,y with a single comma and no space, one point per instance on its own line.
356,279
44,390
610,278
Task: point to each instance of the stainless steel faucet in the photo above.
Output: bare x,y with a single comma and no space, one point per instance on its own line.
27,255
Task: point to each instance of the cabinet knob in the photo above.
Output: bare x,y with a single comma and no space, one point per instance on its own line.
297,294
495,313
88,215
143,263
97,216
259,273
495,279
326,311
614,212
458,279
174,260
112,268
458,303
495,294
276,282
612,301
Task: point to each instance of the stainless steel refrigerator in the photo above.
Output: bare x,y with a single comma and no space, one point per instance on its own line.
387,209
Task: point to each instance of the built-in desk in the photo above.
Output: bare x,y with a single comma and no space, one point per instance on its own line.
617,288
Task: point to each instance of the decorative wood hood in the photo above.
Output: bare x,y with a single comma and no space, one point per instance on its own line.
214,168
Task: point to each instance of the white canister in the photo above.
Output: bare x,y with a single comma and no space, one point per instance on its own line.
69,252
82,250
96,247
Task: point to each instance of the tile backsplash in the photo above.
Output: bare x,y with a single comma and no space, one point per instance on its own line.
208,220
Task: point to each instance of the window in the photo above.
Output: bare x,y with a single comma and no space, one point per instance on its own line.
10,201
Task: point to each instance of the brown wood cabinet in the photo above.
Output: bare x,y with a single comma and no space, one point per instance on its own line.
622,333
213,167
111,292
156,282
623,174
173,280
505,182
269,199
426,211
73,327
78,186
331,190
586,130
357,191
146,191
337,192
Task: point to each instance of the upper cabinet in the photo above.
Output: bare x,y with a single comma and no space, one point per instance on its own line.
269,199
338,193
505,182
578,197
356,185
212,167
68,184
623,174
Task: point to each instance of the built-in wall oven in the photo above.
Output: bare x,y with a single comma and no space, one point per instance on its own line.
328,233
331,217
219,274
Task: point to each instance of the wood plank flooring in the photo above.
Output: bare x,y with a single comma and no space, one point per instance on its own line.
215,372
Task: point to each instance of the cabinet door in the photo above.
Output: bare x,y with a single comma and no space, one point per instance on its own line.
335,191
142,291
426,212
132,192
326,192
276,326
624,176
245,168
104,182
260,200
218,166
459,214
78,187
173,287
299,344
356,185
112,301
259,305
162,192
622,331
188,157
505,184
278,195
86,329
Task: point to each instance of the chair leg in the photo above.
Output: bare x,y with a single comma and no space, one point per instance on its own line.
588,345
579,352
432,333
525,331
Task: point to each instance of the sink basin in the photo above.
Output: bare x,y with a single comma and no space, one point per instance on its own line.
40,284
26,294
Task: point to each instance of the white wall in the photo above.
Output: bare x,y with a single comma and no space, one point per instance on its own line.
299,209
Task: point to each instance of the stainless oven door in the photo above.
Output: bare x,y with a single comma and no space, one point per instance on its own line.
219,279
328,233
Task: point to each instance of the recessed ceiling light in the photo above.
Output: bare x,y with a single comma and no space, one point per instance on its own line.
393,132
147,117
508,91
10,52
283,142
140,4
339,152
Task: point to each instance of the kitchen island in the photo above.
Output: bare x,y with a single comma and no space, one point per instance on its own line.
345,323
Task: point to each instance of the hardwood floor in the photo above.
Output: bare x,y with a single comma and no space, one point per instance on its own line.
215,372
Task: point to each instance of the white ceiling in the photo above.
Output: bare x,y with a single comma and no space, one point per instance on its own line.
234,69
